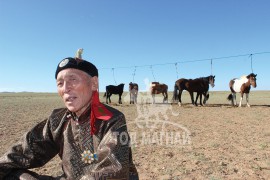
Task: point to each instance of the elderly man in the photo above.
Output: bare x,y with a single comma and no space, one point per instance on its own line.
90,138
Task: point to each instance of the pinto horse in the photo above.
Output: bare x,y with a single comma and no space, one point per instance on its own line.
111,89
157,88
199,85
242,86
133,91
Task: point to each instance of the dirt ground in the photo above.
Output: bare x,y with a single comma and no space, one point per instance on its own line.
213,142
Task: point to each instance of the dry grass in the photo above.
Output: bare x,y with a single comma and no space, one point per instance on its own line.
224,142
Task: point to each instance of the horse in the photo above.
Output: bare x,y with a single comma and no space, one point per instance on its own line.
133,91
157,88
241,85
199,85
111,89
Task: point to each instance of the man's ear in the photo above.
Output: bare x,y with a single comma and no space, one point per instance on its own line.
95,83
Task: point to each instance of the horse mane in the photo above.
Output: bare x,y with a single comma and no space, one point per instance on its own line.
252,75
203,78
243,76
152,84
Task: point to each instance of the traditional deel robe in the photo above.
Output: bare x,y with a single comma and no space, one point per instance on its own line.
103,155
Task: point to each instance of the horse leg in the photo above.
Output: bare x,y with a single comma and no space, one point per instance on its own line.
192,97
107,97
175,93
206,97
201,99
196,99
247,98
132,97
109,94
165,97
153,96
120,100
179,97
241,98
233,100
135,98
197,96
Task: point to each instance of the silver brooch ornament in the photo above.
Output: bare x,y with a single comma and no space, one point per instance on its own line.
63,62
88,157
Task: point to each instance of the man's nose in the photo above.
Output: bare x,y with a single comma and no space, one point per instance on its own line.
66,87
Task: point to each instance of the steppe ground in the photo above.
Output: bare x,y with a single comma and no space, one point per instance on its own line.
213,142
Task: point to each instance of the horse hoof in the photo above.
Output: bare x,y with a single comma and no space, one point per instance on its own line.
179,104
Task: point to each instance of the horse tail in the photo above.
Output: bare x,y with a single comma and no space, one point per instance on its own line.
175,92
166,91
207,96
230,97
105,94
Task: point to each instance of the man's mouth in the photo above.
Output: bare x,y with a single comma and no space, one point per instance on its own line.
70,99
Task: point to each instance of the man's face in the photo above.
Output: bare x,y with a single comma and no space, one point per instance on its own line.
76,87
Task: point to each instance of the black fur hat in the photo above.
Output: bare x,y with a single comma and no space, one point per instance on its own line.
77,63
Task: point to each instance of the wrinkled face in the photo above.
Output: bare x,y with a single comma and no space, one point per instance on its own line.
212,81
253,81
76,88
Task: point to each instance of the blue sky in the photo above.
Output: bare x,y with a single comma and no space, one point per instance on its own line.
118,35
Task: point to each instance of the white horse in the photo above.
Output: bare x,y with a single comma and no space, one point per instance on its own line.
133,90
242,86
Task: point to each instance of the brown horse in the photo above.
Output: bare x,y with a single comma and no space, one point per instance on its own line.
199,85
242,86
157,88
133,91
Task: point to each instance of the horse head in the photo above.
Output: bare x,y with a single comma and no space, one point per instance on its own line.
252,79
133,86
121,85
211,80
154,83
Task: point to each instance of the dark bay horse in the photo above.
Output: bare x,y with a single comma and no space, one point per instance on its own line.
111,89
241,85
157,88
199,85
133,91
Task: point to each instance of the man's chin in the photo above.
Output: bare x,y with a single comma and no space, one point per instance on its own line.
72,108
